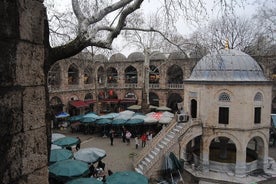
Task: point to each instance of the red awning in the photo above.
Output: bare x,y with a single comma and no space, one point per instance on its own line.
90,101
79,104
111,100
125,100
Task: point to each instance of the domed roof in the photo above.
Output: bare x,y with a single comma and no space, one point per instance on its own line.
136,56
178,55
157,56
117,57
227,65
100,57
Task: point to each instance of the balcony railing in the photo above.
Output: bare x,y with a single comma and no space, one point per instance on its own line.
154,86
175,86
131,85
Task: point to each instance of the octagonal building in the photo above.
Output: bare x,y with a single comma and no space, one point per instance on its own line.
228,93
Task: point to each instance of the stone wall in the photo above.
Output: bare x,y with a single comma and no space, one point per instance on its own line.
23,137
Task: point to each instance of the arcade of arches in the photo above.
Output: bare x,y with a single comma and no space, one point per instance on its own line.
115,84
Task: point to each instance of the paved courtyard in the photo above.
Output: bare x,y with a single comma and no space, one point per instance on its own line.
118,157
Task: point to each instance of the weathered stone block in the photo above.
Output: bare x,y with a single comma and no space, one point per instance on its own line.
34,108
29,66
38,176
8,20
10,111
7,64
31,21
34,151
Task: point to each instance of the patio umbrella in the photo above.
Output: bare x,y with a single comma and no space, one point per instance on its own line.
60,154
109,115
163,108
88,120
56,136
91,115
90,155
103,121
85,181
165,120
53,146
62,115
69,168
134,121
66,141
118,121
126,177
76,118
134,107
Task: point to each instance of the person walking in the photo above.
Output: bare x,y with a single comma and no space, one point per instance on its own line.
144,138
136,142
111,136
78,145
128,136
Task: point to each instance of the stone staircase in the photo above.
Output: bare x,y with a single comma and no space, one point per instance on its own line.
159,146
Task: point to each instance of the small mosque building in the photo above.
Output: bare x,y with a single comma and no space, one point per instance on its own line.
228,92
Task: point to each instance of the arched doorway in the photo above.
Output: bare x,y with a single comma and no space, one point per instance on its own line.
173,100
153,99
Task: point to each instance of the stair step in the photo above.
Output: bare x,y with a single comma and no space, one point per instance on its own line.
147,159
144,163
140,167
151,156
170,135
164,142
167,139
138,170
178,126
160,146
154,152
176,130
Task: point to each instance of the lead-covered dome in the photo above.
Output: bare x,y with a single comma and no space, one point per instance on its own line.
227,65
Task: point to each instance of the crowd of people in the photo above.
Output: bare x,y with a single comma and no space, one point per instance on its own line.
127,135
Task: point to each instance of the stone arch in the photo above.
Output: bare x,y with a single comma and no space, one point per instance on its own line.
112,75
88,96
56,104
173,100
131,74
73,97
54,76
261,138
223,149
153,99
73,74
175,74
232,137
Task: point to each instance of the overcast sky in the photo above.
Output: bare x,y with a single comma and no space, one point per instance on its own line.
184,28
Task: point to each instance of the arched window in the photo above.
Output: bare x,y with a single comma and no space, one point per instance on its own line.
223,116
258,97
224,97
154,75
193,108
258,101
175,75
73,75
53,78
88,79
112,75
131,75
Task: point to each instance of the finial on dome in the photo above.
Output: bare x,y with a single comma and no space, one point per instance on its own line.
226,44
